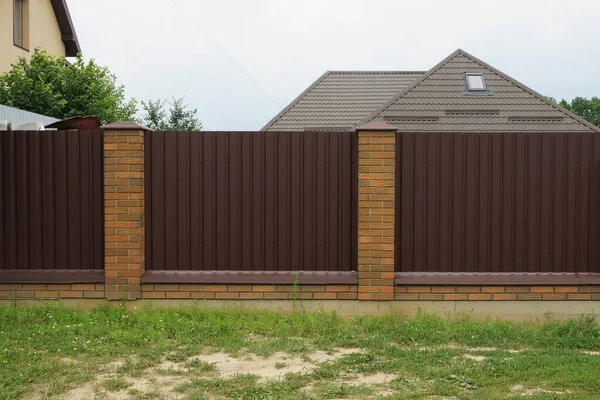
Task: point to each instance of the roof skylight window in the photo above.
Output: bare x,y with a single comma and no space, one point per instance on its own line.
475,82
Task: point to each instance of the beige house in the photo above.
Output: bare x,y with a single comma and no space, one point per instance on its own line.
27,24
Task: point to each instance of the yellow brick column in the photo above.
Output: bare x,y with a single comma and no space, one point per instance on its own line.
376,188
123,210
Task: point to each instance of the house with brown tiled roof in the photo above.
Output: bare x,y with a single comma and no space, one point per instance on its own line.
460,94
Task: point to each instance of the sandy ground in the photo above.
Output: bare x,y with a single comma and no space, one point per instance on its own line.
156,384
161,381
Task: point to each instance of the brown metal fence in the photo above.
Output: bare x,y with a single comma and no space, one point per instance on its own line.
498,203
51,202
250,201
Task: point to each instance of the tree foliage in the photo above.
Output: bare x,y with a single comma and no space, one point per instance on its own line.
586,109
51,86
178,117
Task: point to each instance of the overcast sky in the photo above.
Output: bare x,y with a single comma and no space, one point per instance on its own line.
157,50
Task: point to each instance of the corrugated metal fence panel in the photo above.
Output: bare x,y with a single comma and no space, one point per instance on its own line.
498,202
255,201
51,200
18,117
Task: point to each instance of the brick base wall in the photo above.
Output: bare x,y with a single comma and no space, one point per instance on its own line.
250,292
51,291
306,292
497,293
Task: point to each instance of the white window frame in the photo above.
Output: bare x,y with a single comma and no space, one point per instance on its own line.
467,75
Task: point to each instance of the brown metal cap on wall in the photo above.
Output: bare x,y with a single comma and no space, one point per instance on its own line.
125,126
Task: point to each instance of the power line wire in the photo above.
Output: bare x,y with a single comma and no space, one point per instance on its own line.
225,54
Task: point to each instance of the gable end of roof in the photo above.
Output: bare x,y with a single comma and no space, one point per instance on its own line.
489,67
533,92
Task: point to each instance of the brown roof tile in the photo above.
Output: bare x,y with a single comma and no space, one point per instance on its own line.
507,105
437,100
340,99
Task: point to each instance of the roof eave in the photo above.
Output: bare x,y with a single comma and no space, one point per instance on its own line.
293,103
67,30
277,117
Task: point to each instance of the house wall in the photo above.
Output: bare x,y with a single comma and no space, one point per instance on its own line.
43,32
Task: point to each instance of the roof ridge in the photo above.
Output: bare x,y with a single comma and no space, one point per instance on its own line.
374,72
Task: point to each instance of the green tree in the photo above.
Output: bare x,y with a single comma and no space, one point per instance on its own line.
51,86
586,109
179,118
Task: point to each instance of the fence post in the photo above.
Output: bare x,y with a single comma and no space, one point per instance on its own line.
123,210
376,186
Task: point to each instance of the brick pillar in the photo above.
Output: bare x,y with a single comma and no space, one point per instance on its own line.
123,210
376,187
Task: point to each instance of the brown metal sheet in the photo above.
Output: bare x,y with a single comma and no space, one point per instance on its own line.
48,210
52,276
251,201
35,197
253,277
496,278
52,201
497,202
10,195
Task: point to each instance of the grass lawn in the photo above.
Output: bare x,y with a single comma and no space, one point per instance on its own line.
191,353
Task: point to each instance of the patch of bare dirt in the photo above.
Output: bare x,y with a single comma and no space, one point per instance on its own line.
160,381
363,379
527,391
273,367
474,357
266,368
457,347
591,353
320,356
442,398
378,379
171,366
83,392
160,386
375,380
